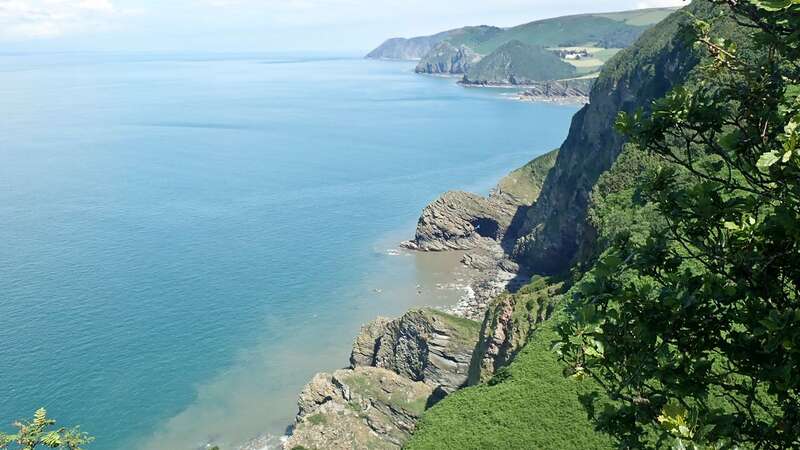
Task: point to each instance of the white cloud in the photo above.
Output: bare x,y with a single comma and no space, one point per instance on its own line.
30,19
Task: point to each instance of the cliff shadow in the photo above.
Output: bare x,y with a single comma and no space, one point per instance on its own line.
523,275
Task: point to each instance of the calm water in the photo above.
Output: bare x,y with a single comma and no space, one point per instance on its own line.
185,240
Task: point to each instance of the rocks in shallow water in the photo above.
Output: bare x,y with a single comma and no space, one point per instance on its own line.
422,345
361,408
461,221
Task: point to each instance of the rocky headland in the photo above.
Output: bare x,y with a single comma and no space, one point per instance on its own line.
400,367
448,59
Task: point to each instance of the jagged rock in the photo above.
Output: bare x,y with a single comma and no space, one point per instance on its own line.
445,58
422,345
461,221
550,238
361,408
508,324
575,90
366,343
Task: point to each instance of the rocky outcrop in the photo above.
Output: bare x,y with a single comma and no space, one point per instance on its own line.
423,345
561,91
406,49
399,368
464,221
461,221
509,323
447,59
361,408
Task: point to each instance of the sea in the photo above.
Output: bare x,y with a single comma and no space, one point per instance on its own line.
185,239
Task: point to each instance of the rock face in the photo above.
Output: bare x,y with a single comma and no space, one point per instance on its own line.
406,49
461,221
549,238
448,59
575,90
422,345
361,408
509,323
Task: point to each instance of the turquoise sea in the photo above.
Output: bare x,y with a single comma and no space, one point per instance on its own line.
186,239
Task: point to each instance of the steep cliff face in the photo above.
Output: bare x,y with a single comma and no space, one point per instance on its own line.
549,237
448,59
407,49
422,345
509,323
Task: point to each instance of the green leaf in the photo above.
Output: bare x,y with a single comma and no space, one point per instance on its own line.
772,5
768,160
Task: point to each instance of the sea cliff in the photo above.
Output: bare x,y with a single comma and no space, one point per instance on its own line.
533,226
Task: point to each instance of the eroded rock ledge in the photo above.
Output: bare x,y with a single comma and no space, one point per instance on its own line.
362,408
461,221
398,369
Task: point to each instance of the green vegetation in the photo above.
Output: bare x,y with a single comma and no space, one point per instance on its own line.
640,17
464,330
525,184
690,319
518,63
39,433
317,419
607,31
528,405
517,316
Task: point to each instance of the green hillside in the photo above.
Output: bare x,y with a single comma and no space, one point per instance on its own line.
617,30
517,63
528,405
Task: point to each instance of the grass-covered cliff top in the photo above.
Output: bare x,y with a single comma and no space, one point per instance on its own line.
525,183
528,405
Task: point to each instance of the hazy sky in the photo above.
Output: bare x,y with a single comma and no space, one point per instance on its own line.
262,25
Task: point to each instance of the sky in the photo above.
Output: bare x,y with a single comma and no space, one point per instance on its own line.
263,25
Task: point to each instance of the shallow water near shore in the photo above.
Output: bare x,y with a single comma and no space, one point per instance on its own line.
186,239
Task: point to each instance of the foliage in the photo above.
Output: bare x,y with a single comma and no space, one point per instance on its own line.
526,405
38,433
694,329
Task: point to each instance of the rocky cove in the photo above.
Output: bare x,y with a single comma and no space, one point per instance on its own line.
401,367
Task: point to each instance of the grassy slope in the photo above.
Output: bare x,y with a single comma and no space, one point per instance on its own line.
528,405
525,183
615,30
521,62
